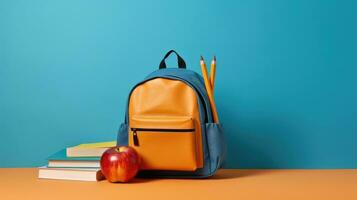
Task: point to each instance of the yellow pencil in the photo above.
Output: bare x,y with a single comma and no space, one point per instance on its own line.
213,72
209,90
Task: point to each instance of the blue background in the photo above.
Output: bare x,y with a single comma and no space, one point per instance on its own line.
285,85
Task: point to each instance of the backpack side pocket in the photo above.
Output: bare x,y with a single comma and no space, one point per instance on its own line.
216,145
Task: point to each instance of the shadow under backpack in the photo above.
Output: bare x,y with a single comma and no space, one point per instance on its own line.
169,122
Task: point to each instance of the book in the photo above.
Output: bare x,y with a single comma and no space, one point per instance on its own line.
89,149
61,160
79,174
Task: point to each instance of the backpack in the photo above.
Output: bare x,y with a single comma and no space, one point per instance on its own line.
169,122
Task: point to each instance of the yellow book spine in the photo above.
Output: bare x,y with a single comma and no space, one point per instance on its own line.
97,144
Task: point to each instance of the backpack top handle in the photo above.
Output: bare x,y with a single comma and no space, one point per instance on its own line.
180,62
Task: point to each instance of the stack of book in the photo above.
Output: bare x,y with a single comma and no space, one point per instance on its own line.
81,162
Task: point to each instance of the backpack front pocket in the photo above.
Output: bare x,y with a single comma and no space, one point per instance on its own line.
164,143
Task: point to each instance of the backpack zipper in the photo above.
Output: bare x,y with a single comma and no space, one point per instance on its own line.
135,134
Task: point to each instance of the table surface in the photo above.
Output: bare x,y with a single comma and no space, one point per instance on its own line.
22,183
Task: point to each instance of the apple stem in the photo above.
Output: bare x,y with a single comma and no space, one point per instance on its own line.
117,149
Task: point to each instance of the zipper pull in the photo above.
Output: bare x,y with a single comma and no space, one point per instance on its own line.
135,138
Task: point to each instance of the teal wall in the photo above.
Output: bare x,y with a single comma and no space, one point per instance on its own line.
285,87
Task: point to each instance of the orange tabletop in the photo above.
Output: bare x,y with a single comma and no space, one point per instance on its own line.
22,183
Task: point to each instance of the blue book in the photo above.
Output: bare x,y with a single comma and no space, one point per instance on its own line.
60,160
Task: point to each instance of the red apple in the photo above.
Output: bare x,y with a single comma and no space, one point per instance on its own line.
120,164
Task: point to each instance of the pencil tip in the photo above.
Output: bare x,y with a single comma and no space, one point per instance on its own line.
214,58
201,58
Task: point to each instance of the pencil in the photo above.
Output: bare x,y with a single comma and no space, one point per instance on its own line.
209,90
213,72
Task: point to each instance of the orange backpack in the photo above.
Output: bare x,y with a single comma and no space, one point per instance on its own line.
169,122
